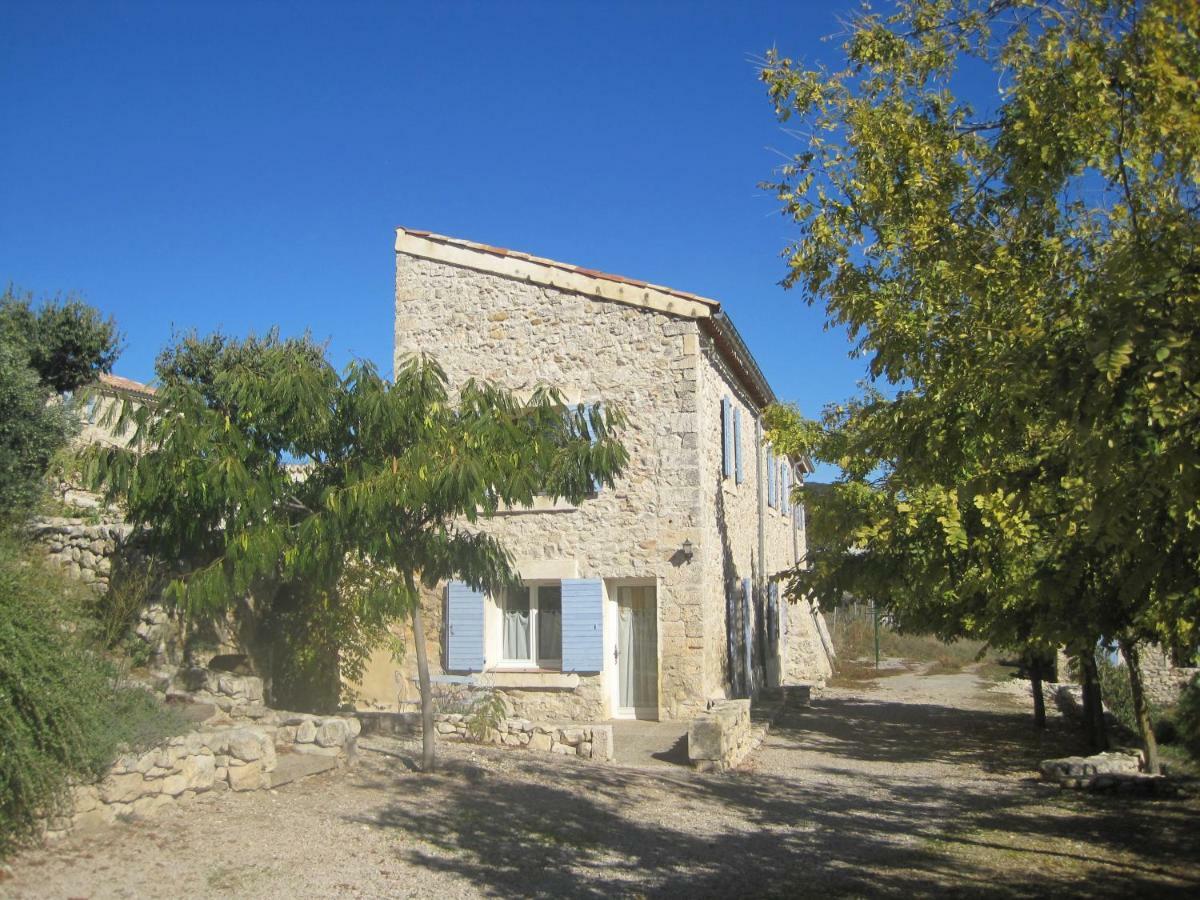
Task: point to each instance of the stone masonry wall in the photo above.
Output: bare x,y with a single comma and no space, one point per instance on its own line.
1164,681
720,738
85,549
487,326
237,757
592,742
730,548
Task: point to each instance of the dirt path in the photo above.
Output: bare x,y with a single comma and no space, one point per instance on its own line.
909,786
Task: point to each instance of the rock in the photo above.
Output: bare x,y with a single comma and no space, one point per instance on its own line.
126,788
602,742
148,806
444,727
174,785
285,734
585,749
572,736
1074,767
540,741
314,750
564,749
220,775
198,772
86,797
306,733
511,740
249,777
332,733
98,817
245,744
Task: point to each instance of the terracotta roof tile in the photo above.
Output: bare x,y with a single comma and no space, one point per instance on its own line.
125,384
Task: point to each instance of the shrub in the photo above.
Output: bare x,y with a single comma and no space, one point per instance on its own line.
64,713
1187,716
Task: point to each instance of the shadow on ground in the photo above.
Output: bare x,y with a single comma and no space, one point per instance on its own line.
601,831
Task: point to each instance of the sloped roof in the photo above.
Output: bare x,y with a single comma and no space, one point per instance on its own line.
604,285
126,385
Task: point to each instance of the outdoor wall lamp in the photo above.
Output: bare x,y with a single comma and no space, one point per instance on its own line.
686,550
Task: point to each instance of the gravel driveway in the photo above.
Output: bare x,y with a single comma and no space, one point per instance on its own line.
907,786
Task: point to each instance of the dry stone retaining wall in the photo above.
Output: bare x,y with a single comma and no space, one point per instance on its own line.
84,549
583,741
222,755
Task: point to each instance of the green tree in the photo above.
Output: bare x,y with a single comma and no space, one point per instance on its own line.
1025,276
332,499
44,352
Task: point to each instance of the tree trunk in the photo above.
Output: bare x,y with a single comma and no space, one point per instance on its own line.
428,763
1039,699
1093,703
1141,710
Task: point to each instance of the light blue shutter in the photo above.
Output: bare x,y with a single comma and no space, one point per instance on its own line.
748,635
464,628
727,435
786,487
582,625
770,478
737,444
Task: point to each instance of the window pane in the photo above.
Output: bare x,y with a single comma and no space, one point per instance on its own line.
549,642
516,623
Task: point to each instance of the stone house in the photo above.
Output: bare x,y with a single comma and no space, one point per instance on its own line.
648,599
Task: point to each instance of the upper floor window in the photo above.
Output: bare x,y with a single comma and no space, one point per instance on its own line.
731,441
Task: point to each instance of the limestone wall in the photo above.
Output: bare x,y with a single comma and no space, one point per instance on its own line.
85,549
669,380
1163,680
486,326
593,742
790,651
221,758
720,738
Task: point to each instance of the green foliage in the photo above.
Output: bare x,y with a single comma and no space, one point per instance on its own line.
487,712
1024,282
58,347
133,584
31,431
66,341
1118,696
331,497
63,712
1187,717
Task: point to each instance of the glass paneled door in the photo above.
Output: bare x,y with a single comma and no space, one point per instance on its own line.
637,652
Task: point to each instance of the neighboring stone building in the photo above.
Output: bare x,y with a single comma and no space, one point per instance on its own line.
648,599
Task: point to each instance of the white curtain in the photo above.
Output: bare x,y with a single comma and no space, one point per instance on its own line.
516,624
549,636
638,636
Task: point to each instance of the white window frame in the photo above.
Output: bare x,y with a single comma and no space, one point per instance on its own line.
533,662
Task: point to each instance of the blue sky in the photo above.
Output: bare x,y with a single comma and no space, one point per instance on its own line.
244,165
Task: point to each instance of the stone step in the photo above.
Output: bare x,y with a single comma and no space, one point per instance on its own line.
294,766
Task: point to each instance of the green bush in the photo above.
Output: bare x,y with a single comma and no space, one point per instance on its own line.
1187,717
1117,693
64,713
